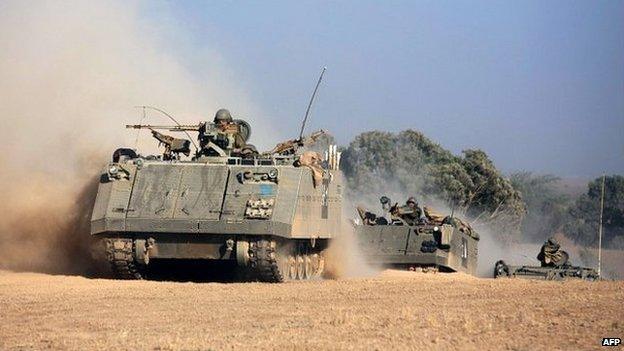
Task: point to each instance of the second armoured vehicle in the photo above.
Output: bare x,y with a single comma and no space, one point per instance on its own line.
440,243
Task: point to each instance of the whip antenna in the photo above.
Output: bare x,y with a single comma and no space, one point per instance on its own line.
136,141
305,119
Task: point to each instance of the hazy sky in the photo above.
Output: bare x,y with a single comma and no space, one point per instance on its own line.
538,85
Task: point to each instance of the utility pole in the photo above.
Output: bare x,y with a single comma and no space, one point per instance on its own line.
602,191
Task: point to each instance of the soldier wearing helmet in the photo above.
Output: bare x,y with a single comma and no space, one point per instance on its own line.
410,213
551,255
223,117
225,134
411,201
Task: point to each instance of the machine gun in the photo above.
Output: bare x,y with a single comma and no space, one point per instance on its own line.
210,137
290,147
173,146
179,128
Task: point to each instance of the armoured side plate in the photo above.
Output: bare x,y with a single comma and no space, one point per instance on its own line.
443,247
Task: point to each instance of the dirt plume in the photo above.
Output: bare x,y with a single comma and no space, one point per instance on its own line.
42,231
344,258
70,74
492,249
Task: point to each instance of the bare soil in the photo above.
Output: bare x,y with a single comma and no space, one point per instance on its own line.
395,310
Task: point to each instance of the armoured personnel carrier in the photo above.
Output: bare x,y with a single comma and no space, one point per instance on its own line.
434,242
554,265
269,214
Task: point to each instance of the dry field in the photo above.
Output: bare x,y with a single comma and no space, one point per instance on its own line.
396,310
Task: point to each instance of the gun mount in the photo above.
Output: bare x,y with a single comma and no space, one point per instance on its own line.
173,146
290,147
214,140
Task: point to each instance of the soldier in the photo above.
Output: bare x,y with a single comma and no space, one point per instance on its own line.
225,124
222,117
551,254
226,135
410,212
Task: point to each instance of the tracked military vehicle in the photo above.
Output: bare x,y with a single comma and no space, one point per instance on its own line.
269,214
554,265
503,270
437,243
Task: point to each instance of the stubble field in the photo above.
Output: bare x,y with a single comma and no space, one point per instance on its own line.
395,310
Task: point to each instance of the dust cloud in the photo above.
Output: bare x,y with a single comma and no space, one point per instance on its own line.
492,249
344,258
70,75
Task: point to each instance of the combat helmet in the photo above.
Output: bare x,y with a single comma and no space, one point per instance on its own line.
411,199
552,241
222,115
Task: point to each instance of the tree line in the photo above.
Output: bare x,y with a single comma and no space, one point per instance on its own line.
521,206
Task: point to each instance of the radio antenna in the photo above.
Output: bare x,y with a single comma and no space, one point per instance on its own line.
136,140
171,118
305,119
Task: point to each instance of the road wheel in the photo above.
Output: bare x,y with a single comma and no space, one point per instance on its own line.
291,272
308,271
300,267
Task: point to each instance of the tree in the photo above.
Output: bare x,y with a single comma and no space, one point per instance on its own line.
547,207
583,227
410,163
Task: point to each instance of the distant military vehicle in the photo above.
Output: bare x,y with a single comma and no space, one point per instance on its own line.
439,243
270,214
553,266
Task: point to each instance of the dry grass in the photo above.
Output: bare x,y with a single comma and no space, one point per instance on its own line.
397,310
